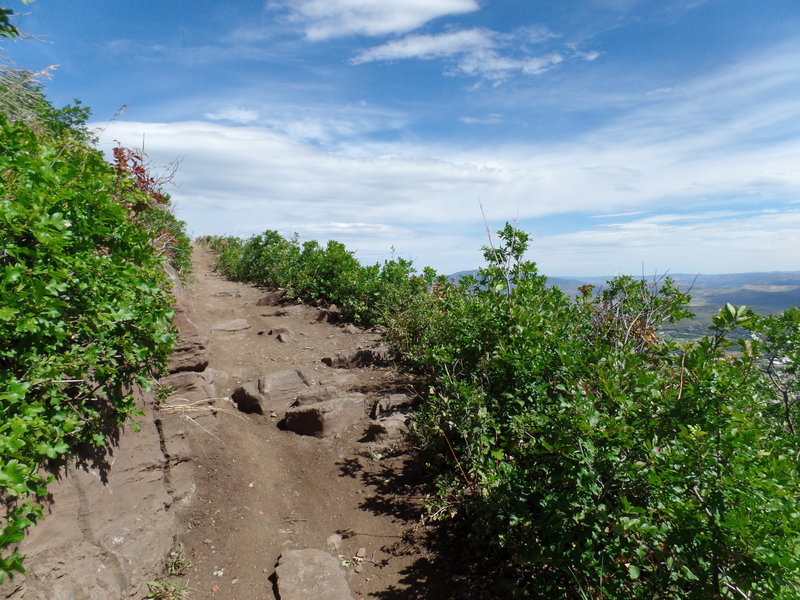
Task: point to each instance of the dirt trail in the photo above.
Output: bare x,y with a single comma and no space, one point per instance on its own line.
262,490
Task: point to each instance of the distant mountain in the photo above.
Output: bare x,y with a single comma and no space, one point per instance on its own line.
765,293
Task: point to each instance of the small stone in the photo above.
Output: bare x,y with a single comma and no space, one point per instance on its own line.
362,552
310,573
272,298
208,541
335,541
358,568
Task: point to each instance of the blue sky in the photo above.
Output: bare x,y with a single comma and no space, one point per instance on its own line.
627,136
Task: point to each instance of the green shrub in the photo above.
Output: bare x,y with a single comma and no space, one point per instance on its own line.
599,459
84,311
368,295
595,457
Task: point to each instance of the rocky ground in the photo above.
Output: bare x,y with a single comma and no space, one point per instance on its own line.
317,462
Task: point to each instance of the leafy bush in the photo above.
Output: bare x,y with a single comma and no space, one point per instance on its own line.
601,460
368,295
596,458
84,311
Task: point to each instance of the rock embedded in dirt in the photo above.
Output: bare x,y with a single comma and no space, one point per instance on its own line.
388,430
191,352
270,393
287,311
334,541
324,418
359,358
282,334
231,326
272,298
310,575
391,404
316,394
332,314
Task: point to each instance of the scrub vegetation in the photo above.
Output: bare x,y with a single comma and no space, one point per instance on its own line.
85,311
593,457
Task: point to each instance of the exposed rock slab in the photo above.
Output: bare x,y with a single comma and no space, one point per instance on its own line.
316,394
271,392
324,418
109,516
190,386
311,575
105,528
191,351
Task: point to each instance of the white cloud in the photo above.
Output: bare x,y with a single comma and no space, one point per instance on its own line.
729,140
325,19
537,34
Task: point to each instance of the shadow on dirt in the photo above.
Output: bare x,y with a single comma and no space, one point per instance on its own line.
446,567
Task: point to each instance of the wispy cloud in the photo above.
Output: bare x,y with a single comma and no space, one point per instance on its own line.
325,19
479,52
704,244
234,114
427,47
490,119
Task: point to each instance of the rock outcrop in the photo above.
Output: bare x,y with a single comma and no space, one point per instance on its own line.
325,418
270,393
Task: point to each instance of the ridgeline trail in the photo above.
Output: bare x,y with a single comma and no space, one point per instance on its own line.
262,490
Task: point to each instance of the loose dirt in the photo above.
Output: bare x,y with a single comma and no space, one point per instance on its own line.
262,490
